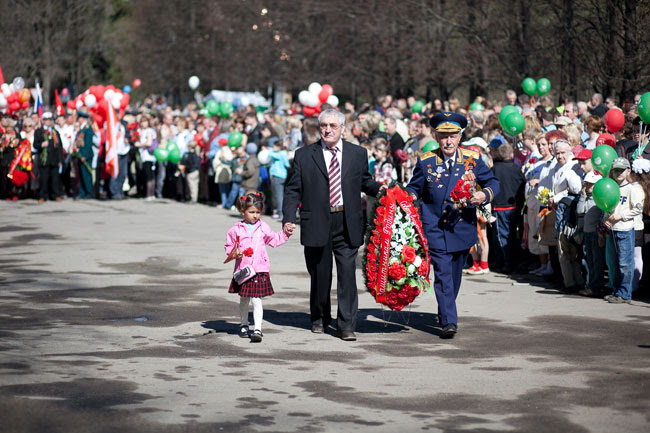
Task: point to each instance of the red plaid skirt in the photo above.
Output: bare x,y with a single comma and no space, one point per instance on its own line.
257,287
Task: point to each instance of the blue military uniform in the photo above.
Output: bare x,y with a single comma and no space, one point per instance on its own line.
450,229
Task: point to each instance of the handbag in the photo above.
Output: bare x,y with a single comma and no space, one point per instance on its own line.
244,274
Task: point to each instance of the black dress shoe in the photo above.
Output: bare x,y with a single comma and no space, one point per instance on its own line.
317,328
347,335
449,330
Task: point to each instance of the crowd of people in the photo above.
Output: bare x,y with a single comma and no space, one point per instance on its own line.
544,221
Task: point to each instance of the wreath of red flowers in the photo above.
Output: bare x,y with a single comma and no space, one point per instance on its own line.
390,270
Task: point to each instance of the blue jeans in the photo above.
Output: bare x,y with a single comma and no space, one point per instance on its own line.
224,190
506,234
620,250
595,258
278,193
235,191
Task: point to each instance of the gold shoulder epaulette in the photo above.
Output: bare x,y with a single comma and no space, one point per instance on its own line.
470,153
427,155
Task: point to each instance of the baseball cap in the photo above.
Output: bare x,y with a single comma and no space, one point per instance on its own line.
48,115
584,154
620,163
475,141
497,141
563,121
592,177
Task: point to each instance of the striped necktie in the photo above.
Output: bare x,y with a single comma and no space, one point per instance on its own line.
335,178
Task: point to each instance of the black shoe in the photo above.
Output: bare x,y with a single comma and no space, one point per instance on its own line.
317,327
347,335
256,336
449,330
244,331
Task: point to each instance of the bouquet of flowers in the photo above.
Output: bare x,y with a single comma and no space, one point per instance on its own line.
396,260
133,133
543,195
47,136
21,165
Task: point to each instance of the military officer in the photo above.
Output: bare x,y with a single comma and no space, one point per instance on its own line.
450,182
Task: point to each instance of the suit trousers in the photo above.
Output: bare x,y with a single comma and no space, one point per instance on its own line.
319,264
49,182
448,270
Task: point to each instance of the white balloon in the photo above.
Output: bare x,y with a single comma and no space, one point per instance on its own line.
315,88
115,102
19,83
194,82
313,100
5,89
264,156
79,104
118,96
90,100
333,100
304,97
3,101
108,94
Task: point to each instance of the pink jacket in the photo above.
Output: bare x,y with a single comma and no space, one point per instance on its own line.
262,235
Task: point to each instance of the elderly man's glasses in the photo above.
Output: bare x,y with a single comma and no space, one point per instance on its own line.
333,126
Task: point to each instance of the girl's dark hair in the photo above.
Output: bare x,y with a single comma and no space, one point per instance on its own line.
644,181
250,199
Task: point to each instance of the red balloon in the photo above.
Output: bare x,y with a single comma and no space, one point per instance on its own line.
13,97
24,105
322,96
327,88
14,106
308,111
72,104
136,83
124,101
614,120
65,91
98,91
607,139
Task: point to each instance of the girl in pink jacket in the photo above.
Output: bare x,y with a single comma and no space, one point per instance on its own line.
247,241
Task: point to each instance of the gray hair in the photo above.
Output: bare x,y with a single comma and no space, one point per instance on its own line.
562,142
332,112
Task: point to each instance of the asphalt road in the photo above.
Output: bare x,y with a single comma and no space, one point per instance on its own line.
115,317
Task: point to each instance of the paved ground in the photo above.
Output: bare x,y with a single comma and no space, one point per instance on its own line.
115,317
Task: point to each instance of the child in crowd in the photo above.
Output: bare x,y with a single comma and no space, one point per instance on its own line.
189,166
237,168
589,216
620,246
278,172
249,237
385,172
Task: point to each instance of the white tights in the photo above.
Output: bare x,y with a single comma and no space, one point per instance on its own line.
257,311
638,268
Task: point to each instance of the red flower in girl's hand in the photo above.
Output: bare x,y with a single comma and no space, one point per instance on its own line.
248,252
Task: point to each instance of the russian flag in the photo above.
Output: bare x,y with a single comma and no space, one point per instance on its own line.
38,101
111,168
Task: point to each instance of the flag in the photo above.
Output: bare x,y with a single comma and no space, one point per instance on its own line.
112,125
60,111
38,101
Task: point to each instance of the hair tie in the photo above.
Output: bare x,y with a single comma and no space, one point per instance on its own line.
258,194
243,198
640,166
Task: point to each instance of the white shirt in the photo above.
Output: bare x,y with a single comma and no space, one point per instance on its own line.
67,136
328,155
565,181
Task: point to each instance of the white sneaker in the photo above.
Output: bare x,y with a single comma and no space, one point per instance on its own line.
536,270
545,272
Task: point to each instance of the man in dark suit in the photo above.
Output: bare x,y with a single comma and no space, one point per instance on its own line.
331,218
450,227
47,142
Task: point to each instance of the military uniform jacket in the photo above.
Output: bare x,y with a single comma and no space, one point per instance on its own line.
448,228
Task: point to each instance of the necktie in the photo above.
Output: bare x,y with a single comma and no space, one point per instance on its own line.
450,163
334,178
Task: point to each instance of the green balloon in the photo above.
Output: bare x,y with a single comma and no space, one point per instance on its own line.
417,106
515,123
225,109
602,158
235,138
606,194
475,106
529,85
161,154
543,86
505,111
430,145
644,108
174,153
213,107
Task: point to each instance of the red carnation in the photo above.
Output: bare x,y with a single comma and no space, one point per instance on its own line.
408,254
396,271
248,252
532,160
424,268
372,267
380,211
